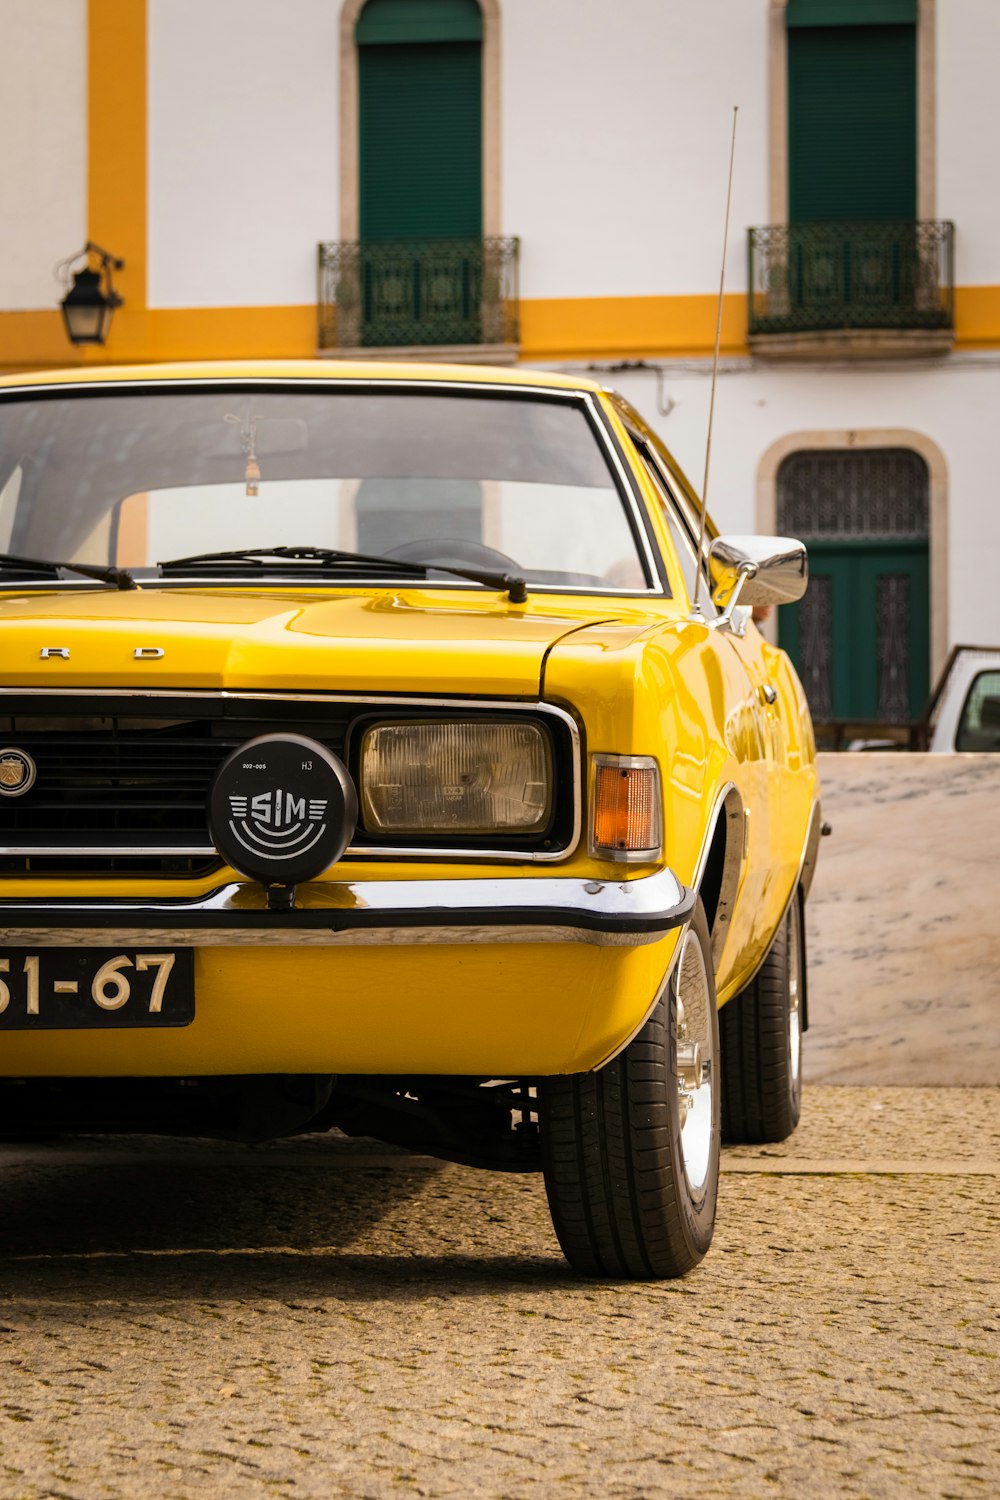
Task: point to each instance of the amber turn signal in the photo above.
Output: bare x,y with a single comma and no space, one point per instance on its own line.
626,820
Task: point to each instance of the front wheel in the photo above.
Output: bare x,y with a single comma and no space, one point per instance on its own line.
630,1153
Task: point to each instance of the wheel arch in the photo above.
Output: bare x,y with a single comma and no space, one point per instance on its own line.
717,875
799,893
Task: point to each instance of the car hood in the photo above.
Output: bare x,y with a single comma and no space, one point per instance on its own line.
376,640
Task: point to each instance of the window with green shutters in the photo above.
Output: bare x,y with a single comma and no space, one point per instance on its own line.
421,140
852,110
852,254
420,171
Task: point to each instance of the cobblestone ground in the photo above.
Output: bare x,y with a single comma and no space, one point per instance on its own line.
327,1319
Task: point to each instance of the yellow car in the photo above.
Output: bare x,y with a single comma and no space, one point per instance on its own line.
375,754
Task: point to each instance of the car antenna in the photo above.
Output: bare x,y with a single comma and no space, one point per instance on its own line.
696,612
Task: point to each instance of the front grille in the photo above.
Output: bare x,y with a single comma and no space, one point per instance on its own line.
122,783
120,792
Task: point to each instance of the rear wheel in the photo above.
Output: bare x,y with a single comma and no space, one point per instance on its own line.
761,1035
631,1153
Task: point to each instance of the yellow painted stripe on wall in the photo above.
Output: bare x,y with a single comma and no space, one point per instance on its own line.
37,340
579,328
558,329
116,124
553,331
231,333
977,317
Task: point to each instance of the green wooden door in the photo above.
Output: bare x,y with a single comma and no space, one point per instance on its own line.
860,636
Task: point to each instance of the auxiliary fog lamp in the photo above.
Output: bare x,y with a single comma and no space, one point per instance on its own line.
281,810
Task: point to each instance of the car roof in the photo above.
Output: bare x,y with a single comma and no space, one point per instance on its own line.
301,369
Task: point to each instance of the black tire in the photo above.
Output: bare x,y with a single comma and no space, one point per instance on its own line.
629,1198
761,1035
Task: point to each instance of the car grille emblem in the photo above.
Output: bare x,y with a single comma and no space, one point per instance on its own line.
17,773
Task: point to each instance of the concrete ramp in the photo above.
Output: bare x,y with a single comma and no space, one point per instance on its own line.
903,922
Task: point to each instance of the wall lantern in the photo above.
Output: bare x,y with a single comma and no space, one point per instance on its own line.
88,306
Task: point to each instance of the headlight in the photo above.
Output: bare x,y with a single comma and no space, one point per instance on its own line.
458,777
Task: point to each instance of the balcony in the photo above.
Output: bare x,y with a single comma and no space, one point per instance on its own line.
869,288
420,297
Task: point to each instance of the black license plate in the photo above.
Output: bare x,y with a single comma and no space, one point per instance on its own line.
58,989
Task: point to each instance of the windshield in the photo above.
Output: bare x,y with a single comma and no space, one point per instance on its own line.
133,479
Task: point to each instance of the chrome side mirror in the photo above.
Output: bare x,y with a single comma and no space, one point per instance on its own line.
756,570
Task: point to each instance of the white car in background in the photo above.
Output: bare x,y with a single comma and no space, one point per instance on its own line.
964,713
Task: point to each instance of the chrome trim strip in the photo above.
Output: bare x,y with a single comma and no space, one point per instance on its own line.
319,382
724,792
413,912
108,851
231,695
384,937
356,851
293,583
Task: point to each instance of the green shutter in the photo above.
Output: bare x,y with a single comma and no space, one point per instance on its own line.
421,140
851,13
389,21
852,123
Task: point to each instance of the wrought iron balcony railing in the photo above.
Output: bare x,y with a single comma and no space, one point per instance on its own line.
880,274
407,293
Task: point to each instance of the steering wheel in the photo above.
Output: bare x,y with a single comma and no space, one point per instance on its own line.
457,550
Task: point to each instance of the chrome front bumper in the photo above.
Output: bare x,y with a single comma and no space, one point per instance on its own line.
506,910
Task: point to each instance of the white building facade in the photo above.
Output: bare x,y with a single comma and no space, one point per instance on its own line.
544,181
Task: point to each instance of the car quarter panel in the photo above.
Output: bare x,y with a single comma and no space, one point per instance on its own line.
680,692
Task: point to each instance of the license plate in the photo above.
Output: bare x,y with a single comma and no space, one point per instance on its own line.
57,989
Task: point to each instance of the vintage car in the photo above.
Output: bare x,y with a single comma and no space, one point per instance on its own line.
374,754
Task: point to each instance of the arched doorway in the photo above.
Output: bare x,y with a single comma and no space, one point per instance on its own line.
860,638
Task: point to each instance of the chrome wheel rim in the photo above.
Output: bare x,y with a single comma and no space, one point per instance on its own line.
794,1009
695,1060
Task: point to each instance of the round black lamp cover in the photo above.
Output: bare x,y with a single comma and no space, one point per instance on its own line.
282,809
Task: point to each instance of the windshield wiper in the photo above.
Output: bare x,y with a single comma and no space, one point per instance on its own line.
256,557
121,578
